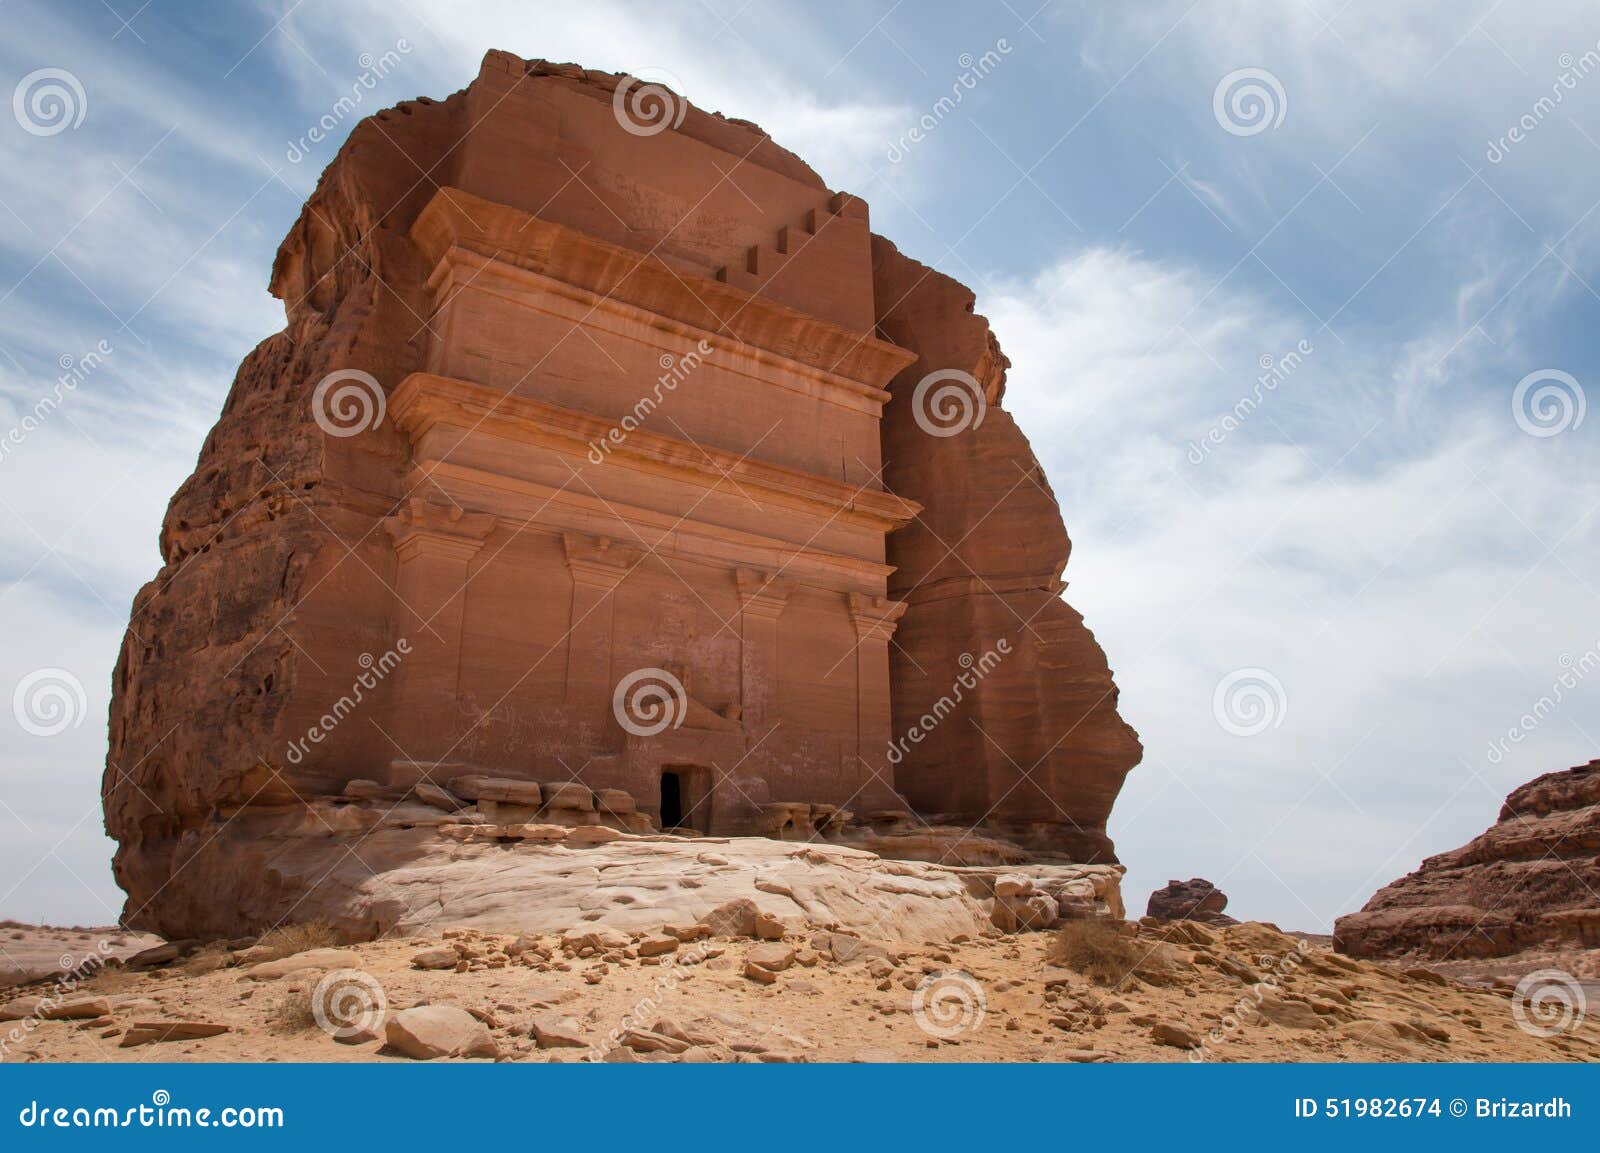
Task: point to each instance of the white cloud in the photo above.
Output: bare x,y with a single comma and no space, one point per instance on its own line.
717,67
1401,594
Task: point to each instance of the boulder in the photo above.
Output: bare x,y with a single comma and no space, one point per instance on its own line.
1290,1014
1178,1036
1012,885
158,955
569,795
656,945
773,957
1191,900
149,1032
1027,913
600,940
437,797
504,790
615,801
430,1031
650,1041
46,1008
304,962
439,958
553,1031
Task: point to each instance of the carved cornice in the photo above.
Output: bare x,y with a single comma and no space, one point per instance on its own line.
458,219
424,400
762,594
875,617
423,528
598,561
531,506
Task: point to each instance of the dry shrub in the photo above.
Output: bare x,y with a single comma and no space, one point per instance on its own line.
292,1012
1099,951
286,940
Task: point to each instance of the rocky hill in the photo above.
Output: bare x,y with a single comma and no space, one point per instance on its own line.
1529,882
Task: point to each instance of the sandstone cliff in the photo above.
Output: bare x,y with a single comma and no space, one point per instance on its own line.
280,550
1531,881
1038,750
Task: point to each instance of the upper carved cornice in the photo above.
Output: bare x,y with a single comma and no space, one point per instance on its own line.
456,225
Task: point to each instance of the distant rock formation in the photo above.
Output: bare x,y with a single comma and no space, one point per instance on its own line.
1192,900
1530,881
588,397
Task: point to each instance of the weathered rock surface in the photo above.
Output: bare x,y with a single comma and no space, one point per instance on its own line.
1031,744
1528,882
1191,900
430,1031
344,865
47,1008
154,1032
329,594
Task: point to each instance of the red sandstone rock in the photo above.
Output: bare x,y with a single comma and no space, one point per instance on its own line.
1528,882
1036,750
1192,900
572,410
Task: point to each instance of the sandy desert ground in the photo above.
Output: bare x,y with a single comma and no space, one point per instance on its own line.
1242,993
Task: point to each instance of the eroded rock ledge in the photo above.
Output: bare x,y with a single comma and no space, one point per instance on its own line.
375,866
1528,882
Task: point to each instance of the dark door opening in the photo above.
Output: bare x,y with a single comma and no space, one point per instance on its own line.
671,800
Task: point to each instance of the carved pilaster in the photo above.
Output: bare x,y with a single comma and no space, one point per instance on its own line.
434,546
875,619
762,597
598,565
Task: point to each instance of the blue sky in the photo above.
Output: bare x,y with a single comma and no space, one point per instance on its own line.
1379,544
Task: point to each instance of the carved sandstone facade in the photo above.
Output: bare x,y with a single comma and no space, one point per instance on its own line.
608,426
